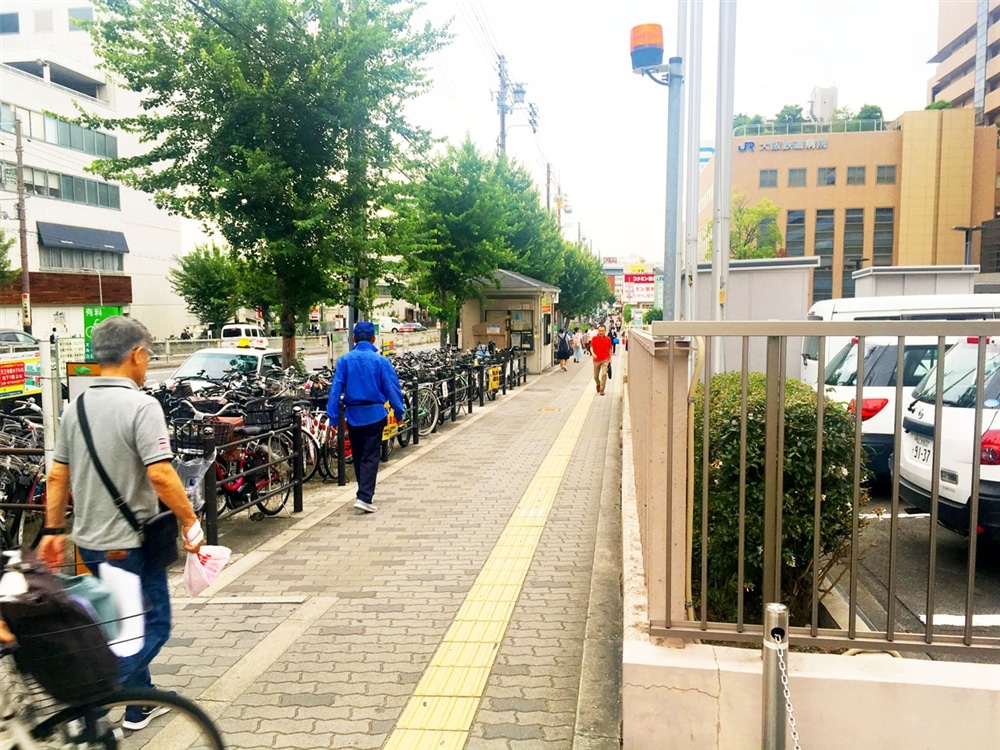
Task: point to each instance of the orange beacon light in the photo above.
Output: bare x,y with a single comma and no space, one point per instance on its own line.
647,46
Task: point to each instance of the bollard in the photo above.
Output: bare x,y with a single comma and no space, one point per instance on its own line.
341,461
470,391
414,432
774,652
504,373
297,468
482,385
453,396
210,491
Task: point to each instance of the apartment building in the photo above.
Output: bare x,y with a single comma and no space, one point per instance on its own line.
888,194
93,248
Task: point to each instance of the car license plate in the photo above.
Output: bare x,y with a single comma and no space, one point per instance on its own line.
922,450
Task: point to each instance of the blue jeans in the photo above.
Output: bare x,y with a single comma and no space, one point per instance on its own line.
366,449
134,670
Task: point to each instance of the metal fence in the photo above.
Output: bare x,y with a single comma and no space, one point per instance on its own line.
665,366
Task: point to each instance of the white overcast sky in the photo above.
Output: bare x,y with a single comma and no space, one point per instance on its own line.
603,129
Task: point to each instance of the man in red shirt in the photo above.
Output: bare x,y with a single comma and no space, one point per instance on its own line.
600,348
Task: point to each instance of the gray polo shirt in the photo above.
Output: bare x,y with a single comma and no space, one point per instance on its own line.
129,434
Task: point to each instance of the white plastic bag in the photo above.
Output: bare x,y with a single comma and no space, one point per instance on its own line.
204,567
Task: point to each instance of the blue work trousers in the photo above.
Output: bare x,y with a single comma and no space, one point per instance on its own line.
366,449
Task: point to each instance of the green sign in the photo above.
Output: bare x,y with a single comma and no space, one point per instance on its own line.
91,317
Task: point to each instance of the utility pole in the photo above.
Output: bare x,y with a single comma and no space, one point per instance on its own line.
548,182
510,96
22,226
502,106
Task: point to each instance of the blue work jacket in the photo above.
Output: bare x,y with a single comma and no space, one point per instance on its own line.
366,380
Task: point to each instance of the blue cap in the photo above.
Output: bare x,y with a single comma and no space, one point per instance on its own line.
364,329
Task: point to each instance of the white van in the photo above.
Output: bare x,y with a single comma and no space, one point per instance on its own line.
243,334
388,324
903,307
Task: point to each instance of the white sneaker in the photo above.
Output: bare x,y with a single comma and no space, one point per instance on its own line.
366,507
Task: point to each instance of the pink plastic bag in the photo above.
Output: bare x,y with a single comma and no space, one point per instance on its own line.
204,567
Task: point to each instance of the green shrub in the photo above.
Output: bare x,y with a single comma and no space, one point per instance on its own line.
799,494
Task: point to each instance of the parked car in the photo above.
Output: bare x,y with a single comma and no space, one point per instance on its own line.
217,362
878,400
955,450
411,326
16,338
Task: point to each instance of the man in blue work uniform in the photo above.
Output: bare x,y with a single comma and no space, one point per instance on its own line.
366,380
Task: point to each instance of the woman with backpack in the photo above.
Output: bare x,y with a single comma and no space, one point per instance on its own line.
563,349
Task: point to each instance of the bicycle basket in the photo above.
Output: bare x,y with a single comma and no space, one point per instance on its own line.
271,413
226,442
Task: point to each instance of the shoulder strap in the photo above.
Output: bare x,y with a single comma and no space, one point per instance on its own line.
115,494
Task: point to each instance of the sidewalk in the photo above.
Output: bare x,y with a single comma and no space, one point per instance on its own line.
478,608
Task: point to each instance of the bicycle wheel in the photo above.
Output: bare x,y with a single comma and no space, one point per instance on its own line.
310,456
97,724
404,435
276,483
387,448
428,410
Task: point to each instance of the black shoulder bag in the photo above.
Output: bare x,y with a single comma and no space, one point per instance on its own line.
159,532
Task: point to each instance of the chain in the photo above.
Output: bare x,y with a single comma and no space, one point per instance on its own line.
787,694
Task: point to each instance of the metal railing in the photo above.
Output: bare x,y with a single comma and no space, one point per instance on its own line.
668,491
813,128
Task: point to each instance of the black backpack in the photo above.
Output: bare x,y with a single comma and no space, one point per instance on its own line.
58,642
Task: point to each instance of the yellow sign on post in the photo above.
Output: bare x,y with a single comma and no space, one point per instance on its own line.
493,382
391,426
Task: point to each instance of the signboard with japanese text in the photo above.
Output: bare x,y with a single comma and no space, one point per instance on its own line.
639,288
20,374
91,317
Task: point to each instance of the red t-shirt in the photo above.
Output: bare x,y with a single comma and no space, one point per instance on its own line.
600,348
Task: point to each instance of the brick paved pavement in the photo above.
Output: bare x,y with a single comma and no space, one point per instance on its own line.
318,638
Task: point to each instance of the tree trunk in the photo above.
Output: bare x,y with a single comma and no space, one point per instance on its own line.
443,339
287,335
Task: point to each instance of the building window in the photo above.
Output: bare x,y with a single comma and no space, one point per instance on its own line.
76,15
795,233
62,186
823,276
884,235
53,130
855,175
854,247
64,258
768,178
885,174
826,176
796,178
10,23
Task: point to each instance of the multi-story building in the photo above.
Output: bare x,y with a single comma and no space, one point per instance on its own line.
968,58
92,246
887,194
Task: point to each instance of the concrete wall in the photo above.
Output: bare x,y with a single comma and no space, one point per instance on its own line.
703,697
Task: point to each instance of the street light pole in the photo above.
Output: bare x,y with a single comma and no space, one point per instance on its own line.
22,227
968,241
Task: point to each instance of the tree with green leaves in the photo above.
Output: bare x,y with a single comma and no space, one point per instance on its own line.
458,231
271,120
746,122
939,104
207,280
583,287
7,276
531,232
869,112
790,113
753,229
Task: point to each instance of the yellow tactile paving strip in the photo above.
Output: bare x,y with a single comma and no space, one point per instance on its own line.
441,710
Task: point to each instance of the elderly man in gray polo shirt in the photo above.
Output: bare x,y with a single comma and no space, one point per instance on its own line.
131,439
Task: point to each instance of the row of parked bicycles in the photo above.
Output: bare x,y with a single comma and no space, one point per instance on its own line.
259,425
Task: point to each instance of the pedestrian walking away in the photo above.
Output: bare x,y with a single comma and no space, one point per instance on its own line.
362,384
563,349
577,344
128,437
600,347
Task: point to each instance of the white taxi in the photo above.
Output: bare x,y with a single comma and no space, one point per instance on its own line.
955,451
206,365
